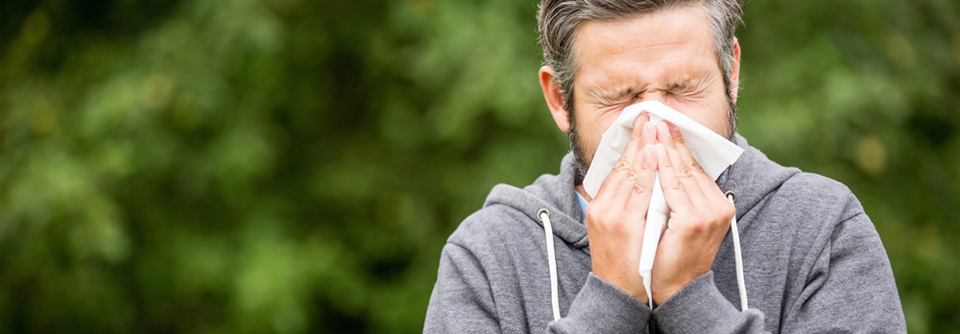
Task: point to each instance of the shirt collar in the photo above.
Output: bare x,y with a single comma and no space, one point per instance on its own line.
583,203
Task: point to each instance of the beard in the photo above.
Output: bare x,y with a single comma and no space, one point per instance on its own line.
577,146
580,149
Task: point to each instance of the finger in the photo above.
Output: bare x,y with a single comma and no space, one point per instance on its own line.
639,201
684,168
619,200
673,190
643,118
611,186
636,138
707,184
649,133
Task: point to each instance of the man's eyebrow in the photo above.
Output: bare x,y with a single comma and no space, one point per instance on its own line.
677,84
683,84
614,95
690,83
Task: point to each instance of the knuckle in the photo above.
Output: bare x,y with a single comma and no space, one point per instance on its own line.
621,166
729,210
647,165
665,162
684,171
639,189
695,167
697,227
591,213
601,218
676,185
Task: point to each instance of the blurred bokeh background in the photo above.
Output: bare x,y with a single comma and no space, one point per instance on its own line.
293,166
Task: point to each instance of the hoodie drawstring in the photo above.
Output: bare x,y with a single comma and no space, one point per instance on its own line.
544,217
741,284
738,257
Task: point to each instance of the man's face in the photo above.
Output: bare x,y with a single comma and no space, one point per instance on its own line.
666,56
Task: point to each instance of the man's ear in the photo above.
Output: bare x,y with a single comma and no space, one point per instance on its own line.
735,71
554,96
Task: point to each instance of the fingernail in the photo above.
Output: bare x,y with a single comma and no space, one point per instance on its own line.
648,127
665,129
647,156
672,126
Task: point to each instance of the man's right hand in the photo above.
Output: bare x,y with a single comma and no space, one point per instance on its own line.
617,215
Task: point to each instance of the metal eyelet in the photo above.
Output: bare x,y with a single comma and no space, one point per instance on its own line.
731,196
541,213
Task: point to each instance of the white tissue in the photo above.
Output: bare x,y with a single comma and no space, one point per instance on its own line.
713,152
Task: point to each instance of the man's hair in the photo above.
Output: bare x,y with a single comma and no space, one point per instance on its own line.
558,21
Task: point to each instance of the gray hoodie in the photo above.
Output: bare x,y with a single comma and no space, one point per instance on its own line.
812,260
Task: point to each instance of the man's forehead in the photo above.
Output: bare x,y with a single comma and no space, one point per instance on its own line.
674,46
641,37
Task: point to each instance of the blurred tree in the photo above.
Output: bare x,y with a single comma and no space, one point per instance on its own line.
293,166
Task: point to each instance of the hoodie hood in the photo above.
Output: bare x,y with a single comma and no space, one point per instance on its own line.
751,178
552,192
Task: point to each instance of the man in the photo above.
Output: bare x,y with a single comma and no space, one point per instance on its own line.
812,260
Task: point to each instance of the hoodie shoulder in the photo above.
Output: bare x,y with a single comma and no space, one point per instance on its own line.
493,222
509,214
818,193
763,185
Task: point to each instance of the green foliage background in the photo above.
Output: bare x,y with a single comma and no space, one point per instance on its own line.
291,166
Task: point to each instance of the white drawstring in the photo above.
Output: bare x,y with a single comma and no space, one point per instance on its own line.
739,258
544,216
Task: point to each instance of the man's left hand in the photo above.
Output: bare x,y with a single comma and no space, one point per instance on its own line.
699,217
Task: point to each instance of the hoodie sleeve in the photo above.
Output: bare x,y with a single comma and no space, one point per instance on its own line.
849,289
462,302
601,307
850,286
700,308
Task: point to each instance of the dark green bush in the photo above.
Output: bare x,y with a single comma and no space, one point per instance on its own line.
295,166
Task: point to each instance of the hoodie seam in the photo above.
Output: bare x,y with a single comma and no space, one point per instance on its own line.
828,244
486,277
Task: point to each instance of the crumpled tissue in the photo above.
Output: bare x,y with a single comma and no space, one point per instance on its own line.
712,151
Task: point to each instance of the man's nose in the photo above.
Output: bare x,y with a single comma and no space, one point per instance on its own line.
657,95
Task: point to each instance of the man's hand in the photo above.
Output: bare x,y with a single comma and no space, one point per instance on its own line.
699,217
617,216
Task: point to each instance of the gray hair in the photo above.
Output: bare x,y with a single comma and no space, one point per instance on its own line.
559,20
